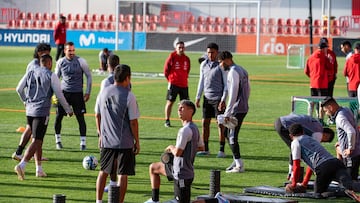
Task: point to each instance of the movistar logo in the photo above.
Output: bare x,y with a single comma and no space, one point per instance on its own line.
86,41
189,43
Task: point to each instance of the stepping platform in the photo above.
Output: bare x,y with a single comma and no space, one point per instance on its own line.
276,191
246,198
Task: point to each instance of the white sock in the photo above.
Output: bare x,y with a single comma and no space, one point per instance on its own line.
238,162
38,168
98,201
22,164
113,183
57,138
82,140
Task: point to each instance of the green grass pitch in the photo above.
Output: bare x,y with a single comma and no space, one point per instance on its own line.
263,152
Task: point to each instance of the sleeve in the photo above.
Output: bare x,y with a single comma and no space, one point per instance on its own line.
200,87
184,136
167,66
233,89
296,172
343,123
345,68
56,32
295,150
87,72
58,68
133,107
20,88
224,79
55,85
100,56
97,104
307,68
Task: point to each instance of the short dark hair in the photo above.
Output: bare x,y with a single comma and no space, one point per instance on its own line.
357,46
41,47
180,42
327,100
213,45
330,132
114,60
346,42
296,129
105,50
62,17
224,55
45,59
188,103
69,44
121,72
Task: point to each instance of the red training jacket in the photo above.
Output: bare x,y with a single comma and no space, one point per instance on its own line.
60,33
333,65
352,71
176,69
316,69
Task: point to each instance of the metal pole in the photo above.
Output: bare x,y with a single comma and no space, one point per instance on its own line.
117,25
329,19
258,29
310,26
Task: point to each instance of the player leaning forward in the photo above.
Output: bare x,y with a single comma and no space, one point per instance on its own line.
35,90
321,162
117,114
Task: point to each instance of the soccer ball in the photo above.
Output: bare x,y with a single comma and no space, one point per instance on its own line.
90,162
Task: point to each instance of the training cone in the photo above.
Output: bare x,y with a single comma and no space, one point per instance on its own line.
20,129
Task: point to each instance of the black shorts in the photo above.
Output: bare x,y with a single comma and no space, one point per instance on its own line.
38,126
124,158
168,170
319,92
76,100
174,90
210,108
182,190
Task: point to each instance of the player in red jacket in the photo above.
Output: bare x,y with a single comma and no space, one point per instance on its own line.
333,68
176,71
60,37
352,71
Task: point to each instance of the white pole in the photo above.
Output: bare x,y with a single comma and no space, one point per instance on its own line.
116,25
329,19
258,29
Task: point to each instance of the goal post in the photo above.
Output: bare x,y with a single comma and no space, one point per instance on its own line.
297,55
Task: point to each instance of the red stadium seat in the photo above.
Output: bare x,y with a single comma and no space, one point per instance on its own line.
181,28
27,24
101,25
126,27
317,31
244,29
209,20
75,25
46,16
110,26
244,21
280,30
138,27
78,17
199,28
29,16
227,21
92,26
317,23
38,16
280,22
102,17
200,20
252,21
35,24
290,22
336,32
218,20
208,28
53,16
70,17
263,22
85,25
111,18
289,30
191,19
154,19
22,16
19,23
152,27
271,30
307,31
298,30
298,23
86,17
121,18
306,23
271,21
94,17
51,24
128,18
43,24
227,29
335,23
217,28
252,29
11,24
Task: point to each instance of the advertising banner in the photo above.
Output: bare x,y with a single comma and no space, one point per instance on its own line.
10,37
98,40
193,42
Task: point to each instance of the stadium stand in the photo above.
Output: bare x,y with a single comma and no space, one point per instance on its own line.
46,16
53,16
111,18
200,20
218,20
38,16
253,21
298,23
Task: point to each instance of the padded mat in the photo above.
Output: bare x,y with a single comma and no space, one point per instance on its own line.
246,198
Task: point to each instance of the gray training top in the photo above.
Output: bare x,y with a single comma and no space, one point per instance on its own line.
71,72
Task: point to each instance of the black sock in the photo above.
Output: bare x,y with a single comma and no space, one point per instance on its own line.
19,150
206,143
155,195
222,146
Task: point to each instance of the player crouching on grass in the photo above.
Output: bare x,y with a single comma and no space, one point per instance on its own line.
326,167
